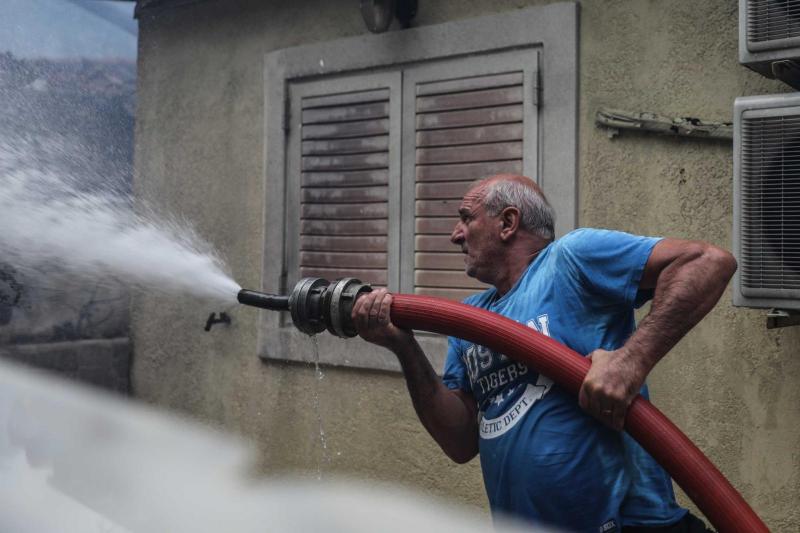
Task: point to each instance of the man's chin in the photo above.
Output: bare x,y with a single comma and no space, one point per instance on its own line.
474,273
483,275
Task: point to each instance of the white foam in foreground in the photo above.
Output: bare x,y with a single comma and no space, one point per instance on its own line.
76,460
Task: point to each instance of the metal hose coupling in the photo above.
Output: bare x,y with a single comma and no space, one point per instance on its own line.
315,304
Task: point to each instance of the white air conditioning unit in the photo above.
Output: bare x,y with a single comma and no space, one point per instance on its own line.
766,192
769,38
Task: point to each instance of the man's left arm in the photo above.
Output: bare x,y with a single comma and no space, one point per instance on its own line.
688,277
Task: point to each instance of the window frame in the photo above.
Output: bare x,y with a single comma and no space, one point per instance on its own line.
552,30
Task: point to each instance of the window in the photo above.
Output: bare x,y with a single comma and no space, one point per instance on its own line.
371,143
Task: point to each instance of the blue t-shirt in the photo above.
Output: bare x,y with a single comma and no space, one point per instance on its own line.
542,456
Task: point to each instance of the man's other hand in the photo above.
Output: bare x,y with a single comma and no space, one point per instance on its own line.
610,386
373,322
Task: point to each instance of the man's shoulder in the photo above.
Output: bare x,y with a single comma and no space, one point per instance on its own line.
580,235
592,238
577,239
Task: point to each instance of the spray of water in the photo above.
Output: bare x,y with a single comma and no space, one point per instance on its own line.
58,229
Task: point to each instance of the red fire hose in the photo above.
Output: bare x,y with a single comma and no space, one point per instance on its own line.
697,476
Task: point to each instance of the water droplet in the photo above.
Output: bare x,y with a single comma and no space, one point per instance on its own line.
324,456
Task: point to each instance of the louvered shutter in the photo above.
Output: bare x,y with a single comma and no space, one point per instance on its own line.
463,126
341,141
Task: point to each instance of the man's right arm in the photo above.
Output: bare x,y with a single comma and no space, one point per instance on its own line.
450,416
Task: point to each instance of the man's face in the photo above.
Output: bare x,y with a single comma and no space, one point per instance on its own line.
478,235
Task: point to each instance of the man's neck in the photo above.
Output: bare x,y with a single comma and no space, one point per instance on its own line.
516,263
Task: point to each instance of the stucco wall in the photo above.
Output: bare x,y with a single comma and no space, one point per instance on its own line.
730,384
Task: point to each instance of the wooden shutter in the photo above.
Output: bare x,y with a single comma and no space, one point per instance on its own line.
465,128
345,168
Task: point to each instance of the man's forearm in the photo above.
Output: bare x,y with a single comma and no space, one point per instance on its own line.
685,292
689,278
447,416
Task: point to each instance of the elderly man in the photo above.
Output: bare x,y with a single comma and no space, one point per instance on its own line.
558,463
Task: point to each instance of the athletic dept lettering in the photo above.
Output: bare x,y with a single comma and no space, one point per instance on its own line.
498,378
542,457
494,427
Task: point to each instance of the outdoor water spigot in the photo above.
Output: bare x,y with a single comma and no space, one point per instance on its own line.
315,304
223,318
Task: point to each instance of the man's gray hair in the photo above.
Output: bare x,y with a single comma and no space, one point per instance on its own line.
536,215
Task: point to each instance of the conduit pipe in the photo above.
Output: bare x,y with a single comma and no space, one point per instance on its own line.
719,501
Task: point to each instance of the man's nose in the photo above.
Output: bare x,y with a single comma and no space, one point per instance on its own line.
457,237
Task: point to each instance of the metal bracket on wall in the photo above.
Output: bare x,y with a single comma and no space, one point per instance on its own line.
778,318
788,71
615,120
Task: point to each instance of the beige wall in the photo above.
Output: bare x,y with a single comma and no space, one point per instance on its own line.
731,385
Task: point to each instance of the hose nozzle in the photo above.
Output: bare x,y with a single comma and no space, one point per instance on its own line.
316,304
263,300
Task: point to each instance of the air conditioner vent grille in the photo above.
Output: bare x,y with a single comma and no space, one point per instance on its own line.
771,20
770,203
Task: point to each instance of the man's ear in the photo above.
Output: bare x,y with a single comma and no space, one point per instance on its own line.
509,222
